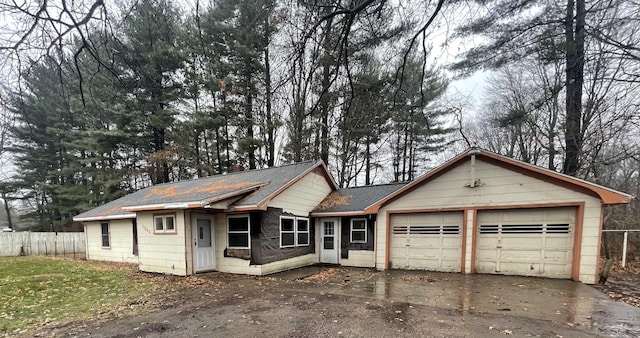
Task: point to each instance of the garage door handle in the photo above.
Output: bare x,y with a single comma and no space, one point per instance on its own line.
499,247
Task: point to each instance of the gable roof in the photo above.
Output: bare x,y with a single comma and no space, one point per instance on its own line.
606,195
252,187
354,201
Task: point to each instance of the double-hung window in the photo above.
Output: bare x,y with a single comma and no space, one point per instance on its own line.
358,230
104,231
238,232
164,223
294,231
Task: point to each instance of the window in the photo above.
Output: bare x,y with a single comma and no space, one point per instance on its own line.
294,231
302,232
164,223
238,232
359,230
287,232
105,235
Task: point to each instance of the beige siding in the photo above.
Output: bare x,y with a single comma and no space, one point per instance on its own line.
499,187
121,240
303,196
359,258
162,253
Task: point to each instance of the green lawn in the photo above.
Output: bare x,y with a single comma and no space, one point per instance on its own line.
39,290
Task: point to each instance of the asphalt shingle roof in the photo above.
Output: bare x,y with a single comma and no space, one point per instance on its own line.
264,181
357,198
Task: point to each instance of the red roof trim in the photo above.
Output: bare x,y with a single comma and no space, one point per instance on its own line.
606,195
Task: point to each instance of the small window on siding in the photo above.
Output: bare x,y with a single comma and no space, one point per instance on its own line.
104,230
164,223
358,230
238,232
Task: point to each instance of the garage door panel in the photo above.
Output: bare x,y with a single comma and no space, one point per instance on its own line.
426,241
526,242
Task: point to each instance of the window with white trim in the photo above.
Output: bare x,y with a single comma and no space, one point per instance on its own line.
238,235
302,231
294,231
287,232
164,223
358,230
104,232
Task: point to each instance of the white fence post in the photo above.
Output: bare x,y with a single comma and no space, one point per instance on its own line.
624,249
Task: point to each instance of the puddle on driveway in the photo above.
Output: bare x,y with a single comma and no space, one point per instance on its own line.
561,301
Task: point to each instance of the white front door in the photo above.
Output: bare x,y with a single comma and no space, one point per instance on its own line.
329,241
203,243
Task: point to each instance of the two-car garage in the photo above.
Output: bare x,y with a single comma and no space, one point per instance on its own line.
529,242
485,213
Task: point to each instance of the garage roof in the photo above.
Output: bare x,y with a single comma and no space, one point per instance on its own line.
354,201
253,188
606,195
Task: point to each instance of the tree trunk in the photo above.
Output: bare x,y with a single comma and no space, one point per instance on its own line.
7,209
324,95
271,147
574,35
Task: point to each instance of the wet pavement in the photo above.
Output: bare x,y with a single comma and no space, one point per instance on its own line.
561,301
322,301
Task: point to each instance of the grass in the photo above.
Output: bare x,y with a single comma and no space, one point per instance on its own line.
35,291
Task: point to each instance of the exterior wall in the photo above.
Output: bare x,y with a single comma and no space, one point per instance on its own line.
162,253
357,254
360,259
499,187
303,196
265,244
120,239
244,266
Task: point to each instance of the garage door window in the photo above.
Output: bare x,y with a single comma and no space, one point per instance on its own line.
428,230
524,228
359,230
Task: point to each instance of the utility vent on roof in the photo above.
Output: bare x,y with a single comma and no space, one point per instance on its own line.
522,228
558,228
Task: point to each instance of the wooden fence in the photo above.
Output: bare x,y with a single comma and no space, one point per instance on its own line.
42,243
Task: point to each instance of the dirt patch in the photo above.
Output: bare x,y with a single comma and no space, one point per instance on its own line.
623,284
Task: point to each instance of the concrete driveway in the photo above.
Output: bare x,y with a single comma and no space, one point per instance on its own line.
349,302
560,301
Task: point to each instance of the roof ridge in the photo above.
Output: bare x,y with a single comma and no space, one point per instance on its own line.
377,185
225,174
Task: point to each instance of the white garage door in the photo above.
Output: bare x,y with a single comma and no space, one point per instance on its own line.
426,241
527,242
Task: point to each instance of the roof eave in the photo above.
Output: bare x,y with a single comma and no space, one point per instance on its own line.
338,213
193,204
608,196
104,218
